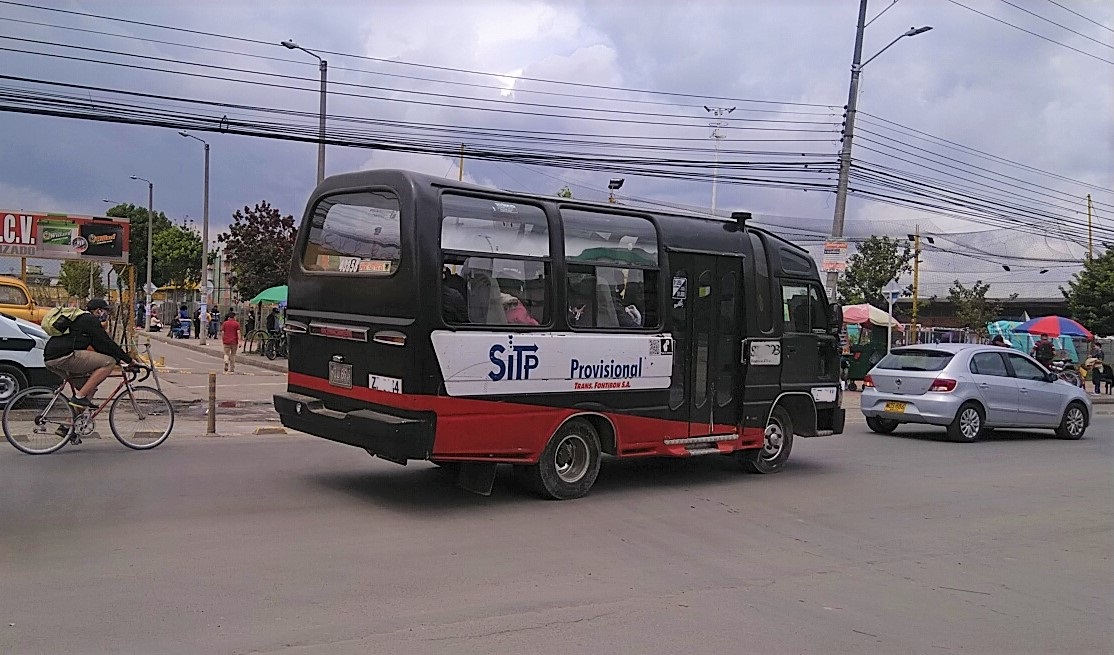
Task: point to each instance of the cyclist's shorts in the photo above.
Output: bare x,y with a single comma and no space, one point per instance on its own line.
79,364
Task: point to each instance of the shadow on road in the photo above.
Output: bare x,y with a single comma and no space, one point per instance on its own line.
433,490
1000,434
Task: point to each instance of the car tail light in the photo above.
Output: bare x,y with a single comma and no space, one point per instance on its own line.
868,382
942,384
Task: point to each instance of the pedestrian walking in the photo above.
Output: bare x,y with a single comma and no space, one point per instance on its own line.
230,337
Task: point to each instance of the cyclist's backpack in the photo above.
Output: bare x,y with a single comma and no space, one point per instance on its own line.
59,320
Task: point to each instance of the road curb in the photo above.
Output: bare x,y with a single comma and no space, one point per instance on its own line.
197,348
223,404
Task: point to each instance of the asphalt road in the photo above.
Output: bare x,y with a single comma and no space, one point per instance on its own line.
898,544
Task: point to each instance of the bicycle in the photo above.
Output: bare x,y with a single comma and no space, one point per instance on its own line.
1067,371
40,421
276,346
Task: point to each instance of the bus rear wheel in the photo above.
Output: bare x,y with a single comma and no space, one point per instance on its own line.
777,443
569,465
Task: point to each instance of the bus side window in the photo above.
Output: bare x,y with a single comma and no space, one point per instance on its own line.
795,308
497,253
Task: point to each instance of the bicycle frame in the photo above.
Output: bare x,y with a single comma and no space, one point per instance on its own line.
92,413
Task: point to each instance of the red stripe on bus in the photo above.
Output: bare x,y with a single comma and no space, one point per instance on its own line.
501,431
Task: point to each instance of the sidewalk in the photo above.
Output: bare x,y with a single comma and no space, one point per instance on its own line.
214,348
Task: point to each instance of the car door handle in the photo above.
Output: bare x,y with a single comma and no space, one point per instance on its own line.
983,385
1024,390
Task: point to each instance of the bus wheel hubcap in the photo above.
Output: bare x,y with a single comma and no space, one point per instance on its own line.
570,458
773,441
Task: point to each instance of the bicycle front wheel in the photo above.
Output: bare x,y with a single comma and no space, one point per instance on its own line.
142,418
38,421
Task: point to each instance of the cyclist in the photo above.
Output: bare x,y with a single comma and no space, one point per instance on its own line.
85,353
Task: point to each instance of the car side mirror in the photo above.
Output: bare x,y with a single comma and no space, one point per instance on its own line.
1051,377
836,320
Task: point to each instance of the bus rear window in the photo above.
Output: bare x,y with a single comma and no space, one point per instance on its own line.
916,359
355,233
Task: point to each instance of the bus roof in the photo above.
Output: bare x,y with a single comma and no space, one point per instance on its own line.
673,223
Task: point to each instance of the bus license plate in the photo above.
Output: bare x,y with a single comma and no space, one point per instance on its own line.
384,383
340,375
896,408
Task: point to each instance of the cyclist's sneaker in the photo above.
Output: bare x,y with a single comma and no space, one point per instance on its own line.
83,403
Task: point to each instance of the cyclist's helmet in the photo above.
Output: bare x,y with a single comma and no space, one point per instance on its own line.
97,303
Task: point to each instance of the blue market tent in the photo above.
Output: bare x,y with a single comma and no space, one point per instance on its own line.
1024,342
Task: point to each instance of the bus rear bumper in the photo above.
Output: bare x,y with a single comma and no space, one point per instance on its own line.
384,431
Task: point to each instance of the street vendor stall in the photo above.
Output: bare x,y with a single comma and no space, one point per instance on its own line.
867,335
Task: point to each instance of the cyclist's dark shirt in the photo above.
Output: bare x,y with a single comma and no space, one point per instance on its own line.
86,331
1043,351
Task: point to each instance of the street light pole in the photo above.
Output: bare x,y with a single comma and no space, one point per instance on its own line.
849,129
150,220
323,66
204,242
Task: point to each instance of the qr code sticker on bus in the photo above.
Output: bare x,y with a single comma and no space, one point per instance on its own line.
655,347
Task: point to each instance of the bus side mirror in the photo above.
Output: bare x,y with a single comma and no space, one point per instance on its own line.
836,314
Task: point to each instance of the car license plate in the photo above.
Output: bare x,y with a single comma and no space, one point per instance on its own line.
896,408
340,375
384,383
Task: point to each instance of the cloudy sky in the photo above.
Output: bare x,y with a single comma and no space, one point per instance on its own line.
988,131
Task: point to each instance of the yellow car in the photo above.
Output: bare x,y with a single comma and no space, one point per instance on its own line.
16,300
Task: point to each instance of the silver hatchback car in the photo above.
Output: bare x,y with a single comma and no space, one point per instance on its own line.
971,388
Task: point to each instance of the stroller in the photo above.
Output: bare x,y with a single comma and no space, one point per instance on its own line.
181,329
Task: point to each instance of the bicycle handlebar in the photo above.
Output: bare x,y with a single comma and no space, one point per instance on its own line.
135,369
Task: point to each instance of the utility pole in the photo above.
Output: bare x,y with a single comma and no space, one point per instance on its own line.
460,169
916,282
718,113
845,153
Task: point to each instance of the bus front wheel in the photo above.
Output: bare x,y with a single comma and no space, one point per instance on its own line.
569,465
777,443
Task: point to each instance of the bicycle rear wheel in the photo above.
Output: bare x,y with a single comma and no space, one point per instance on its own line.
142,418
37,421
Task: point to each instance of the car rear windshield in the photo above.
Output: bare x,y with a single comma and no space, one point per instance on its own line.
916,360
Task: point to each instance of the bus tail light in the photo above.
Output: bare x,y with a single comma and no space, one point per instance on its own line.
390,338
868,382
942,384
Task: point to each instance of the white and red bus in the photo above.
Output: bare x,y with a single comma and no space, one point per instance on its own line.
435,320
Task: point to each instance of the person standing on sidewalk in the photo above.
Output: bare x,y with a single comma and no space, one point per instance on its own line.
230,337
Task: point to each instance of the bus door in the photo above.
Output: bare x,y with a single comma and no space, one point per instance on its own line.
706,314
810,354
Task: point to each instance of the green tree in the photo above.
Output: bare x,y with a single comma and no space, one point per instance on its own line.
137,240
876,262
1090,294
973,309
177,257
74,278
259,246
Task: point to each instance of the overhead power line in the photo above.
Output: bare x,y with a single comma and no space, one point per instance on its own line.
405,63
1063,27
1071,11
1039,36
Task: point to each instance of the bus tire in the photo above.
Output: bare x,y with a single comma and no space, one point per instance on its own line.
776,446
569,465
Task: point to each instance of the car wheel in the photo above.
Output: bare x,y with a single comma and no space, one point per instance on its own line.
968,425
777,443
1074,423
881,425
12,381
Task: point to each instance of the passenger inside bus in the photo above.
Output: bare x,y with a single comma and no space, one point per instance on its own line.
515,312
454,307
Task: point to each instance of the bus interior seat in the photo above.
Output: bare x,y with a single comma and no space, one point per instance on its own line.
798,314
485,306
605,307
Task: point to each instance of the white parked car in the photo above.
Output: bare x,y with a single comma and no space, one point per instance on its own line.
21,357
